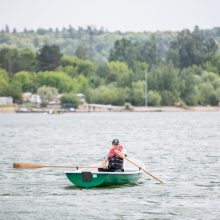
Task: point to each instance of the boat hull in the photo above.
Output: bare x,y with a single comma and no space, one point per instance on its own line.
89,179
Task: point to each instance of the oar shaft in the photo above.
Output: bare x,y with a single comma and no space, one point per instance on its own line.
34,166
120,154
70,166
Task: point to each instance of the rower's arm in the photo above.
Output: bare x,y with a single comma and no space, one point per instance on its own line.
118,154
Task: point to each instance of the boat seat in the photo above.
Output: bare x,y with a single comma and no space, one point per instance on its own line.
86,176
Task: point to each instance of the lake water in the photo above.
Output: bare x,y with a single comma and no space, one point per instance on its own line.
183,149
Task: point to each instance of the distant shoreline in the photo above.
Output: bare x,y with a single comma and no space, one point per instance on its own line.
178,109
12,109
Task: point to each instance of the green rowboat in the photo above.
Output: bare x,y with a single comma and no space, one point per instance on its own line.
88,179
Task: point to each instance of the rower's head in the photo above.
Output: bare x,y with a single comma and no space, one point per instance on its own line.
115,143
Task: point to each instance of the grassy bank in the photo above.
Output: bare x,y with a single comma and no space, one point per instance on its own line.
5,109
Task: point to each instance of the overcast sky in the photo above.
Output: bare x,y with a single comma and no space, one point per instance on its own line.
123,15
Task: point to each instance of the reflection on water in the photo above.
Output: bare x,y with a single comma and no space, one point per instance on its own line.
180,148
73,187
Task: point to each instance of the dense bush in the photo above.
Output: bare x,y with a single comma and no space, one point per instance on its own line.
154,98
70,100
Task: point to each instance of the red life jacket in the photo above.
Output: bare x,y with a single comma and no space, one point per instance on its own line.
112,151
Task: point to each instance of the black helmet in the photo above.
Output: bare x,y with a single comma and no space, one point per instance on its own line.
115,141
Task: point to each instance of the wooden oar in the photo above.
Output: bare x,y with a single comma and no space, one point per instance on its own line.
35,165
141,168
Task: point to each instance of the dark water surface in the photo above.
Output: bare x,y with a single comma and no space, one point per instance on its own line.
183,149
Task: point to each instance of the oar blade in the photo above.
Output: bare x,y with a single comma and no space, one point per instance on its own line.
27,165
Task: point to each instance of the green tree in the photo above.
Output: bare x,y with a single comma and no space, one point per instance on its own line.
102,70
164,77
68,60
168,98
108,95
86,67
206,94
25,79
125,51
118,72
3,80
81,83
46,94
148,52
137,93
9,60
82,52
217,96
59,80
208,88
49,57
191,48
138,72
27,60
70,70
14,90
79,66
212,64
189,80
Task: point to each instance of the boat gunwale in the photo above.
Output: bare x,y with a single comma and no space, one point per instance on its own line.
111,173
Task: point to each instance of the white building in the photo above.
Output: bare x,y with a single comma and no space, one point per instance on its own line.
32,98
35,99
6,101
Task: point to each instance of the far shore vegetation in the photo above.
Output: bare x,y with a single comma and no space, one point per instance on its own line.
112,68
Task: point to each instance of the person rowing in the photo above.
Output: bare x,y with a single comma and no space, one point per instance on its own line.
113,161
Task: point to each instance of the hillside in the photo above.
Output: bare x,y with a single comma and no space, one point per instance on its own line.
115,68
97,41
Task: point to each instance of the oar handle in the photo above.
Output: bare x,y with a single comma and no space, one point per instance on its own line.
141,168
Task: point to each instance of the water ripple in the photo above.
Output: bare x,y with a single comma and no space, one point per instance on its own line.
182,149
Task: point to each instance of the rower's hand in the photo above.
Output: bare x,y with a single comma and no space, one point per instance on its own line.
104,164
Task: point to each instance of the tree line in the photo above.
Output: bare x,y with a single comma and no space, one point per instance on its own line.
97,42
187,71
